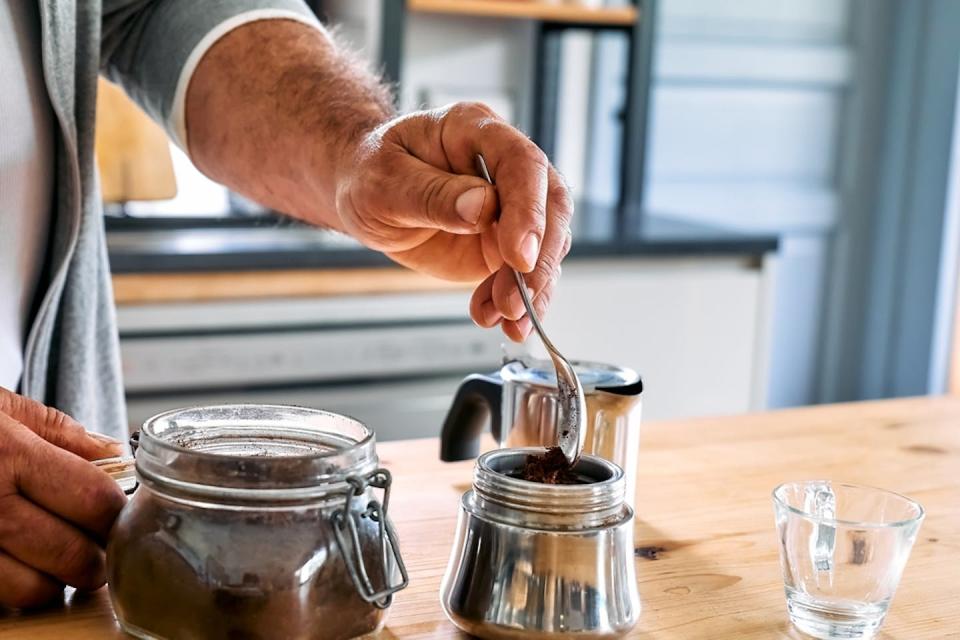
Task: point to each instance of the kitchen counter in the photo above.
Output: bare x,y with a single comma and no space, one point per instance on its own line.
706,547
179,260
142,245
162,260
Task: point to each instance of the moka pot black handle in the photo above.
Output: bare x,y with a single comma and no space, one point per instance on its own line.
478,399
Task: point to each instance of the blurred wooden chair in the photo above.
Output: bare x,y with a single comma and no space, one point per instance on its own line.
133,153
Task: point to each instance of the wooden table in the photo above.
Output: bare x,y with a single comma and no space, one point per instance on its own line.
704,506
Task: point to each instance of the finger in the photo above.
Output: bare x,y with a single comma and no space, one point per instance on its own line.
50,545
506,294
482,309
519,169
446,255
446,137
516,330
419,195
61,482
517,166
519,330
489,244
557,238
57,427
23,586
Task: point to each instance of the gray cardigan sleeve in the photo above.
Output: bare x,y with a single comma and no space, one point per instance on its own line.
151,47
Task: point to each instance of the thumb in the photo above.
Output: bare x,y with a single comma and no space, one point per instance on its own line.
57,428
432,198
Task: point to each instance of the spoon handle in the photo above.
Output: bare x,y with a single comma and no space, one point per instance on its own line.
572,427
521,283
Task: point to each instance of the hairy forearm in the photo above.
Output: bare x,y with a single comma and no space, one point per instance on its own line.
274,111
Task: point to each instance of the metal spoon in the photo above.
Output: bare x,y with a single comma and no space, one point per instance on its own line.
572,430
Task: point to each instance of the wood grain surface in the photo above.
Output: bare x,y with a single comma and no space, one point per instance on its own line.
142,288
707,552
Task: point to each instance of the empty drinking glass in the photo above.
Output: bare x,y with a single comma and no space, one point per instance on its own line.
842,550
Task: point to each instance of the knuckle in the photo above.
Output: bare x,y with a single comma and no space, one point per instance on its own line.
471,109
10,525
7,398
54,419
559,196
567,244
524,148
547,266
364,220
71,555
58,426
106,500
433,195
80,562
535,213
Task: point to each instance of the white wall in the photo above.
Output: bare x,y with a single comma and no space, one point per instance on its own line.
745,125
695,329
661,317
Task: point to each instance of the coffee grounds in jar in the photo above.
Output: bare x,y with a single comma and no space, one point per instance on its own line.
549,467
217,575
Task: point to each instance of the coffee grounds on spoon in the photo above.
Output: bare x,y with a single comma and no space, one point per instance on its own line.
549,467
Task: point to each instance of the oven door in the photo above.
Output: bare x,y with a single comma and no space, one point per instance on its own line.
393,362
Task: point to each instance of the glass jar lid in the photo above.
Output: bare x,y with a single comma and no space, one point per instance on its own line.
252,451
592,375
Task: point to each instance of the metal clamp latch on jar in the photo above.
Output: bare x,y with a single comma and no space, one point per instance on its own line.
348,538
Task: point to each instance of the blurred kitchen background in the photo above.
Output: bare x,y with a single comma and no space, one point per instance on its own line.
768,215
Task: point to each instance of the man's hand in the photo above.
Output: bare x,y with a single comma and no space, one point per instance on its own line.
56,508
276,112
411,191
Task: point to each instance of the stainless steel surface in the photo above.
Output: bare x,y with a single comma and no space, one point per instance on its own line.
531,412
572,409
542,561
409,408
520,403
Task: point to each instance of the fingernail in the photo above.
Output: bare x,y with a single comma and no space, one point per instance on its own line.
489,314
530,250
516,304
524,325
470,203
103,438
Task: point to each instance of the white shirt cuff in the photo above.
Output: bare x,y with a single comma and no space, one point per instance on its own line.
178,116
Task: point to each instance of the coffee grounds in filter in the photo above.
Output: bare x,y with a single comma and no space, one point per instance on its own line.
549,467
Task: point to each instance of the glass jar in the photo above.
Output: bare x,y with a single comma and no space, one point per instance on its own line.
254,522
